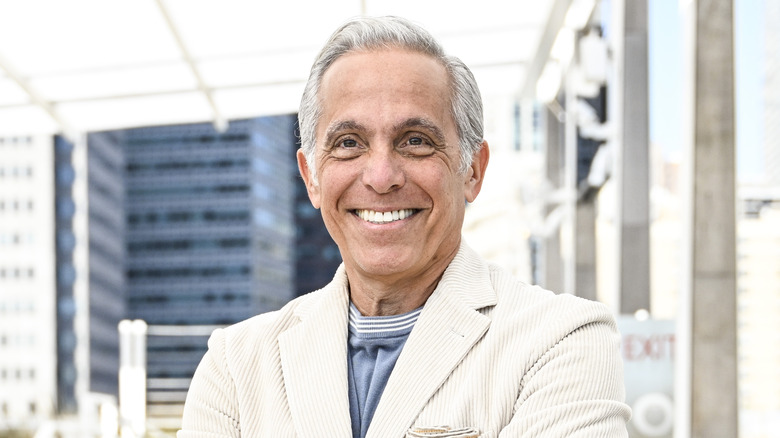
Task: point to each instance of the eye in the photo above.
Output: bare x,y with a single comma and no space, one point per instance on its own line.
346,147
417,145
348,143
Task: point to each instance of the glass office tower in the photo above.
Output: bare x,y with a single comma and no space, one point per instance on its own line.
211,238
61,277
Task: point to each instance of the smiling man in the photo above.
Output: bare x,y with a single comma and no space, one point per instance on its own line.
416,335
389,178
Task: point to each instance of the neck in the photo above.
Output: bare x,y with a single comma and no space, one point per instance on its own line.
378,300
384,296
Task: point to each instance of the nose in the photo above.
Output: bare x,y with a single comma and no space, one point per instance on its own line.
383,171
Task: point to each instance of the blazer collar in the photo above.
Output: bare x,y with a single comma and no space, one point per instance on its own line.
446,331
314,352
314,363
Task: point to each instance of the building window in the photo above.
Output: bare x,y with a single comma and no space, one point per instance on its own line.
65,208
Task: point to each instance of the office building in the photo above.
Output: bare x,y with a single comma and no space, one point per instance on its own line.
105,259
758,260
316,255
219,229
28,342
209,221
89,288
184,227
61,278
758,304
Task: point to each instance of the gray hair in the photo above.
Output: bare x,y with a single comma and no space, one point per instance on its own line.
375,33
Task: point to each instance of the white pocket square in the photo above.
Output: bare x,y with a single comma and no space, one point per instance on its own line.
442,432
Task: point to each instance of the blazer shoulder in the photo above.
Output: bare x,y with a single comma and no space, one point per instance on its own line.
510,289
266,327
555,314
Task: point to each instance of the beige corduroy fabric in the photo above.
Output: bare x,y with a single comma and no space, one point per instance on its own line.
487,352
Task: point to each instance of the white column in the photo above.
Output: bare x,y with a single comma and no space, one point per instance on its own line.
707,392
632,178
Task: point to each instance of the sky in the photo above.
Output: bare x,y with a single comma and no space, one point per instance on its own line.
749,30
666,52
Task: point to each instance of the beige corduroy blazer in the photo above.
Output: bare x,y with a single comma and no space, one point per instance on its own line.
487,352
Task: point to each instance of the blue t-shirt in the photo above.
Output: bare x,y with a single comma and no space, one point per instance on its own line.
375,342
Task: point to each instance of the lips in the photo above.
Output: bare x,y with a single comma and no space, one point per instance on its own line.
379,217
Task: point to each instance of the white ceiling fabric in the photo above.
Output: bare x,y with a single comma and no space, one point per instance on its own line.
85,65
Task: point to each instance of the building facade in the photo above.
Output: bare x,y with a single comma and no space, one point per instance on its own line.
28,384
61,280
181,226
758,307
316,255
209,221
89,288
105,259
219,229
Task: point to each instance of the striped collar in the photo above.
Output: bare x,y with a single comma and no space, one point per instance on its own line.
381,326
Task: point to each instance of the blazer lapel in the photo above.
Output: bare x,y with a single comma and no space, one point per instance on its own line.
314,364
447,329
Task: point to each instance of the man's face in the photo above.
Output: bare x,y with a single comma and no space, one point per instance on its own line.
387,161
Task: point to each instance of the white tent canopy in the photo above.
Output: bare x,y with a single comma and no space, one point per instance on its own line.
87,65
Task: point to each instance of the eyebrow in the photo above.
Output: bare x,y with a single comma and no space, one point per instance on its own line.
344,125
414,122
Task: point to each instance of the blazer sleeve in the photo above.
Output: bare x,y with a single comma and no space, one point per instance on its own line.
575,389
211,410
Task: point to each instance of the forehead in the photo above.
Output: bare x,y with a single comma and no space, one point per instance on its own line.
383,83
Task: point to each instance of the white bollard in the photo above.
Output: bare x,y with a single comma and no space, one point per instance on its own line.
132,378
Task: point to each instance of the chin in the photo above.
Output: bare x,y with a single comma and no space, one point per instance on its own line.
384,269
386,263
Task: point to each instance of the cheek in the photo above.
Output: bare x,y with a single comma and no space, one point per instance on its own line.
455,187
333,185
447,192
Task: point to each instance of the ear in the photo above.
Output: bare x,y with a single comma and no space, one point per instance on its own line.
476,173
312,188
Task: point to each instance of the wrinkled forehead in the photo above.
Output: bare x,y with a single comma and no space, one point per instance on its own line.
388,60
371,80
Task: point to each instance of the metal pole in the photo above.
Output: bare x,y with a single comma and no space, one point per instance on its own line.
553,266
632,155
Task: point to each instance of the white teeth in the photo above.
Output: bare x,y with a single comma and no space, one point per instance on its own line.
379,217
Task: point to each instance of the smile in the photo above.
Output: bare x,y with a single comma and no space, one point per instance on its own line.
378,217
